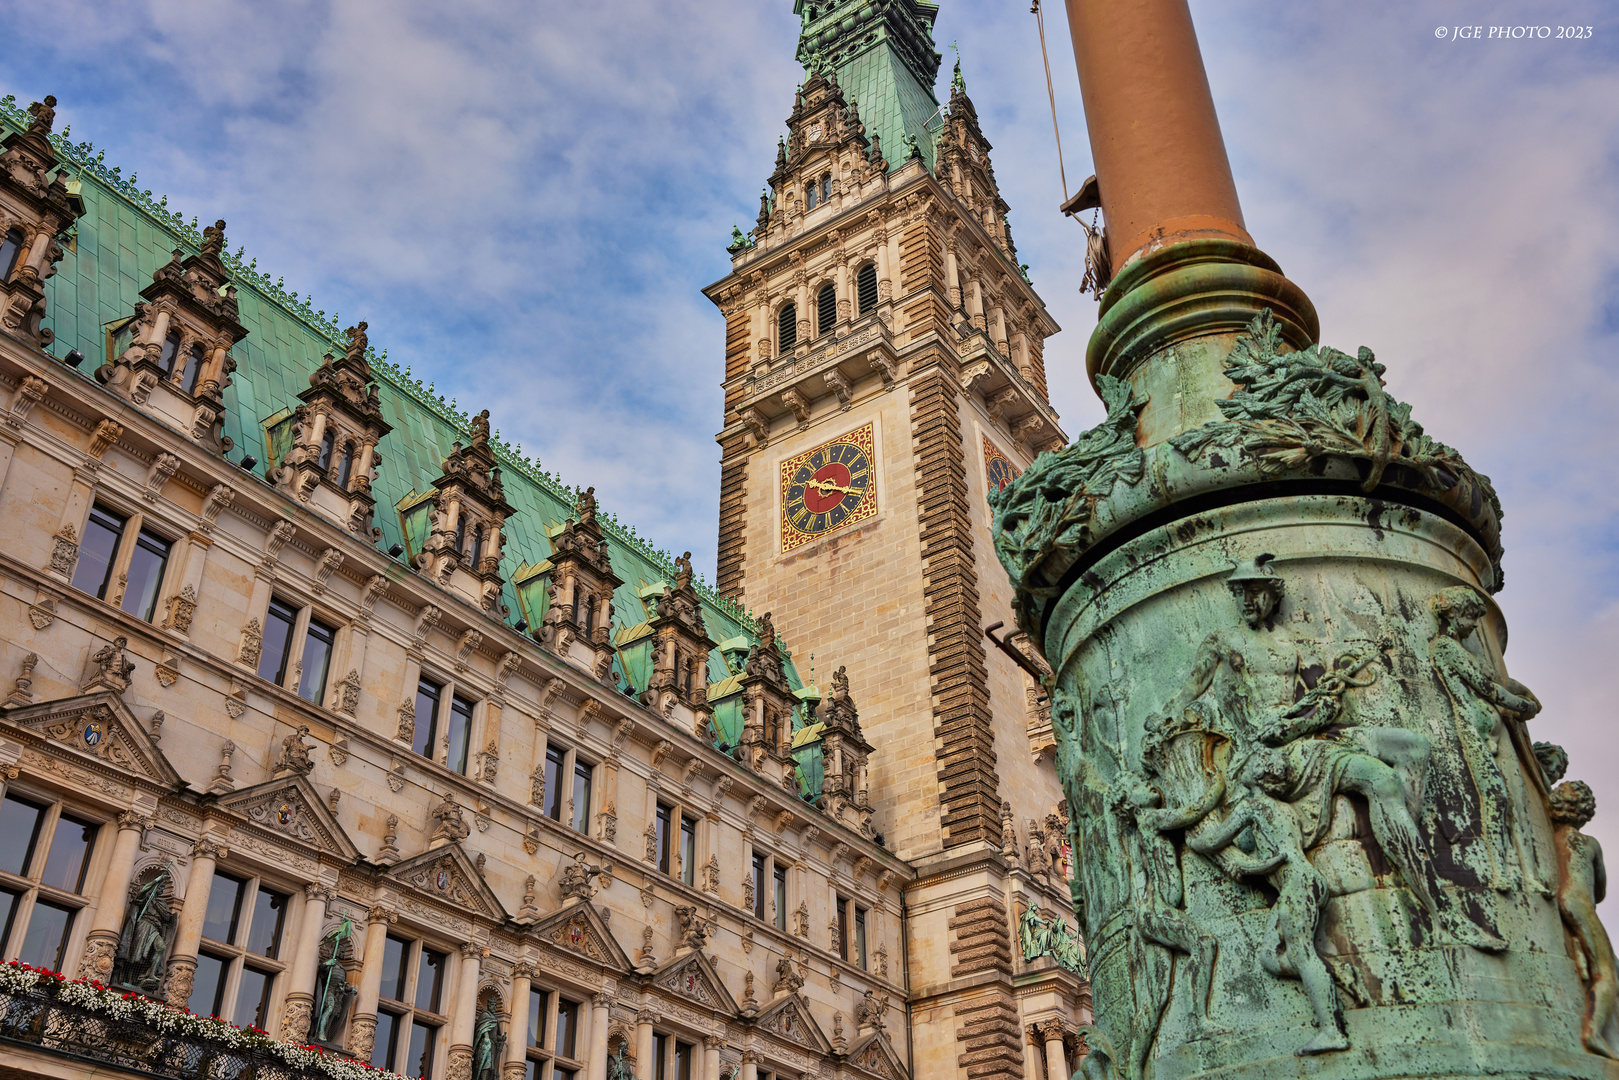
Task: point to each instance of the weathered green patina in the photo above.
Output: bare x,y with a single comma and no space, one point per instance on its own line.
1312,835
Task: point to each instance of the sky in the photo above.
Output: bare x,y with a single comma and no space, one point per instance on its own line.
524,199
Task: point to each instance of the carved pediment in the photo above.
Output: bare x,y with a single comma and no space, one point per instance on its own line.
446,874
789,1020
579,929
98,727
875,1055
290,809
692,978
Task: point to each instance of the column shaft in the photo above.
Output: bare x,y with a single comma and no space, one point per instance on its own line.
363,1029
188,934
112,897
300,1006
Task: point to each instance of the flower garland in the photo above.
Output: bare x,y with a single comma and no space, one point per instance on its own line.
89,995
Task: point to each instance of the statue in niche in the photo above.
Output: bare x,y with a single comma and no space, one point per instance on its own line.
1301,892
1480,705
143,944
1584,883
1260,696
333,991
487,1042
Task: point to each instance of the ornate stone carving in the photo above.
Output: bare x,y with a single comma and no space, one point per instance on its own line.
64,552
295,758
112,668
451,825
182,607
20,694
252,642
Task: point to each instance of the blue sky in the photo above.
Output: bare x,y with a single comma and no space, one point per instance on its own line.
524,199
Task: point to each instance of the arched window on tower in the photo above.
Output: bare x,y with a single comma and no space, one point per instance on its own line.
165,359
811,196
787,330
10,248
193,369
826,309
866,282
327,441
826,187
345,469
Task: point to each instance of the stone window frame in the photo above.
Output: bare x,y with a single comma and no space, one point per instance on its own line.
136,520
405,1011
665,1051
308,610
561,792
850,913
449,689
816,291
671,861
235,953
547,1063
775,913
30,888
784,349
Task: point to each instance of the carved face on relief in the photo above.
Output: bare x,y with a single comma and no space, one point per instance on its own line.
828,488
1259,600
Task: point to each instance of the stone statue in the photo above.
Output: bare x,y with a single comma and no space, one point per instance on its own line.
480,429
295,756
213,238
333,992
1584,884
1480,705
683,574
788,980
354,351
868,1011
487,1043
451,826
578,879
585,506
1301,891
113,669
693,930
840,684
42,115
143,944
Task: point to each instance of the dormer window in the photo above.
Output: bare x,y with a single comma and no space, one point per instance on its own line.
826,309
10,247
866,287
787,329
193,369
165,359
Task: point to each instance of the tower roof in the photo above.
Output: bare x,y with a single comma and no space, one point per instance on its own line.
885,61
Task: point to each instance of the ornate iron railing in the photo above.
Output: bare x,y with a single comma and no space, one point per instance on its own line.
39,1020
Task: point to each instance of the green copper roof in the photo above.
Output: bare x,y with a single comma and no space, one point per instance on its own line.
126,234
882,51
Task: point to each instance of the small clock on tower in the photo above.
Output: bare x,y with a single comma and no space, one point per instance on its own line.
828,488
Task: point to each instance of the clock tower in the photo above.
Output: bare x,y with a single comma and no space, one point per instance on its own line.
883,372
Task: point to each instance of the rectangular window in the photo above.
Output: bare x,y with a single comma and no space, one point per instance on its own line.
318,642
843,928
662,823
581,796
419,1059
208,985
387,1038
70,854
554,756
429,979
269,913
567,1027
224,907
146,565
564,1074
459,732
10,900
46,939
253,998
98,550
688,849
860,937
759,862
19,832
660,1045
536,1017
428,695
394,969
781,897
278,624
683,1057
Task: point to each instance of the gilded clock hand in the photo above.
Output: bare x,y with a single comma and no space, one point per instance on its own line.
825,486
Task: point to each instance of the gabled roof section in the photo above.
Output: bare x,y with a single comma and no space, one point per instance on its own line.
100,729
789,1020
291,809
692,978
446,874
875,1056
579,929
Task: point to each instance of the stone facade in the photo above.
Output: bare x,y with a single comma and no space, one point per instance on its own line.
880,290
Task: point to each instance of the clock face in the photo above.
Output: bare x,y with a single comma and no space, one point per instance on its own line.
998,468
828,488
